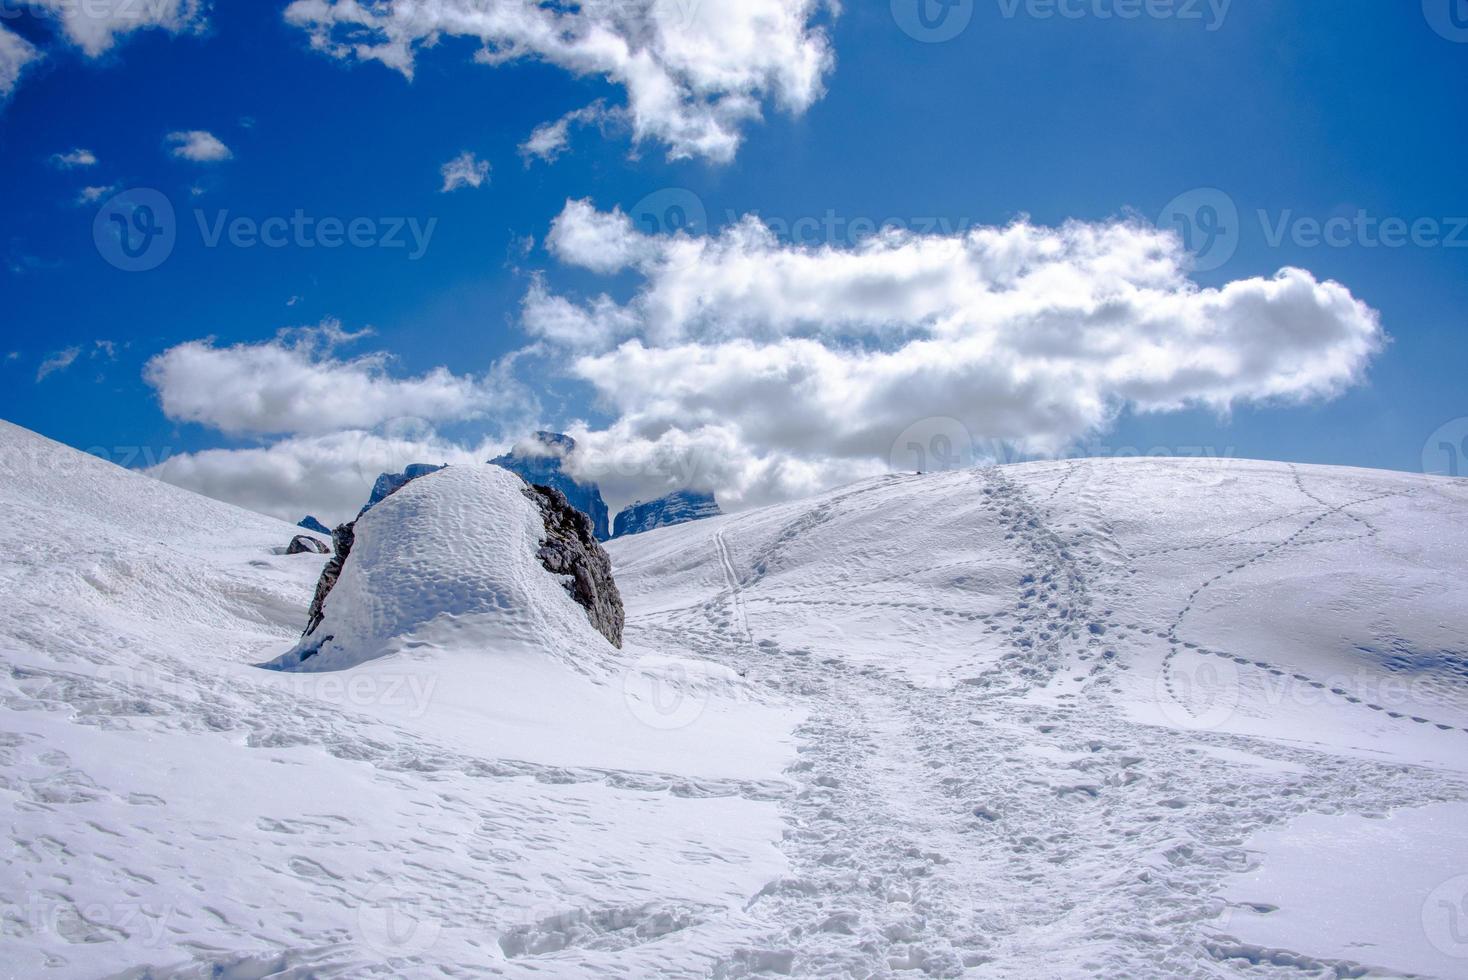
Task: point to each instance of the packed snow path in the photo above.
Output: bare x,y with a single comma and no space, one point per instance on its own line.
977,792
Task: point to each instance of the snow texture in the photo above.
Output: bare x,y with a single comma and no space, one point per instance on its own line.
1085,718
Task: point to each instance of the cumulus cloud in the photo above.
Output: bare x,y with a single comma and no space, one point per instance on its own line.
198,146
695,73
788,367
95,26
464,170
297,384
16,55
328,476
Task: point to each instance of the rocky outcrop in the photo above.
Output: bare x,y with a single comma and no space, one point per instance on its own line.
312,524
678,507
390,483
304,544
541,462
341,540
570,549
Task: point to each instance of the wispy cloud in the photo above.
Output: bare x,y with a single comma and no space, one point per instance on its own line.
79,157
59,361
464,170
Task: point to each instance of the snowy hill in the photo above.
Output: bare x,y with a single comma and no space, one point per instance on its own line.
1128,718
459,803
678,507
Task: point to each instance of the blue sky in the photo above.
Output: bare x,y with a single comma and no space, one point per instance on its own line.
1283,109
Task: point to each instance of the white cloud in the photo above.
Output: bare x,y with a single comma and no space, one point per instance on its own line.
59,361
198,146
16,54
91,195
549,140
603,242
797,366
295,384
328,476
78,157
95,25
464,170
695,72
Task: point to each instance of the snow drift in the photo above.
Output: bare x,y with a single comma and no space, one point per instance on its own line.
458,544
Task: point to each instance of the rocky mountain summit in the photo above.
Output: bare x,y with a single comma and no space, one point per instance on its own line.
540,461
678,507
310,523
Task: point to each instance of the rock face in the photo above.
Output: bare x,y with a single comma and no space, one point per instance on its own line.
312,524
304,544
390,483
540,462
570,549
341,540
678,507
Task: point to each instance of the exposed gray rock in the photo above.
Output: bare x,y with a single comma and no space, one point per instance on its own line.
304,544
678,507
341,540
570,548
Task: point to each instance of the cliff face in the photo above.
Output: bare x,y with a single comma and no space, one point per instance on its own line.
678,507
569,549
541,462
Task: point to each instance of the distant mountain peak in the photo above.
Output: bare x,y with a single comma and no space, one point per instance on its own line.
390,483
678,507
539,461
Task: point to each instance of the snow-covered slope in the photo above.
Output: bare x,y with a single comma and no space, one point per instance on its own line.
1128,718
1050,705
459,804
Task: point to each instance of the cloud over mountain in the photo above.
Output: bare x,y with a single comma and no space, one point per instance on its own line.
792,365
